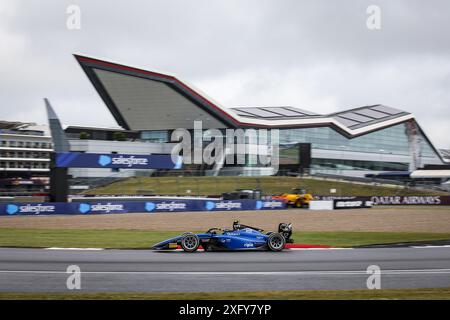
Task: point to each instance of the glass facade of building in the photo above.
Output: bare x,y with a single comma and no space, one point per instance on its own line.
155,135
372,151
392,140
340,164
389,141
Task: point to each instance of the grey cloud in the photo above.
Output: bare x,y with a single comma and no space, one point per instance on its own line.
317,55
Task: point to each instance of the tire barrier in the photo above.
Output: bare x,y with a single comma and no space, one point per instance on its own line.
154,206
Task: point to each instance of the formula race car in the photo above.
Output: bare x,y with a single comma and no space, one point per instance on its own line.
240,237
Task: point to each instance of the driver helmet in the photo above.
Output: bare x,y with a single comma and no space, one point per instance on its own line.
285,227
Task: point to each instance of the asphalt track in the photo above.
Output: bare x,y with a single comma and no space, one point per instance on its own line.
39,270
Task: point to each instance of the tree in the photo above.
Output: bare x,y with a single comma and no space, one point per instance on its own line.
84,135
119,136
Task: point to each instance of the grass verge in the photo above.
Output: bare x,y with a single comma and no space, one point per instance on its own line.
123,239
269,185
397,294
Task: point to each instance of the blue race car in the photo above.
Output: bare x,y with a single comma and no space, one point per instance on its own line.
240,237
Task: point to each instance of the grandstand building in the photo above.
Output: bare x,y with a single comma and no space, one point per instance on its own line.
351,142
24,157
24,150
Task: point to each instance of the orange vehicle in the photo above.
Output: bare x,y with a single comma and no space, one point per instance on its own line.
297,199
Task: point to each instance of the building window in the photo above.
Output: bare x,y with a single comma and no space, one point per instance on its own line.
155,136
391,140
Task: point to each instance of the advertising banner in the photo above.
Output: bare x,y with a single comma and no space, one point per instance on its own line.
32,208
113,207
124,161
410,200
227,205
394,200
357,202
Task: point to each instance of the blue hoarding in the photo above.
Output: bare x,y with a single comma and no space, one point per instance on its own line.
110,207
124,161
34,208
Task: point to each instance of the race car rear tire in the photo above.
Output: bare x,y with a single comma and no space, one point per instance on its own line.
276,242
190,242
298,204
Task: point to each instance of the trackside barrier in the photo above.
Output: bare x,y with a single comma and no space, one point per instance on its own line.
411,200
104,207
354,203
321,205
394,200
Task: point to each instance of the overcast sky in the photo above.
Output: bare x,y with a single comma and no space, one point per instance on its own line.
316,55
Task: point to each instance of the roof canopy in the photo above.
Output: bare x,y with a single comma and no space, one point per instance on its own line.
148,100
14,125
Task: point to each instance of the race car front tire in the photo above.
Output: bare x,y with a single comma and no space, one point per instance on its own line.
276,242
190,242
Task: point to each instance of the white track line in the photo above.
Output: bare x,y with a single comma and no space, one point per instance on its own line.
319,248
205,273
428,247
89,249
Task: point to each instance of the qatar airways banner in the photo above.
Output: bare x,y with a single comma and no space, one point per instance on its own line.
394,200
112,207
410,200
123,161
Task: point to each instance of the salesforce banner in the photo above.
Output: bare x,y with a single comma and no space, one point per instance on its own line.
124,161
228,205
112,207
34,208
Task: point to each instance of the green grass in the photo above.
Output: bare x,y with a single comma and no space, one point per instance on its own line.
41,238
269,185
403,294
121,239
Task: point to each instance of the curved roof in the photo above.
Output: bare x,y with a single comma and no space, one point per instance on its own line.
14,125
354,121
147,100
